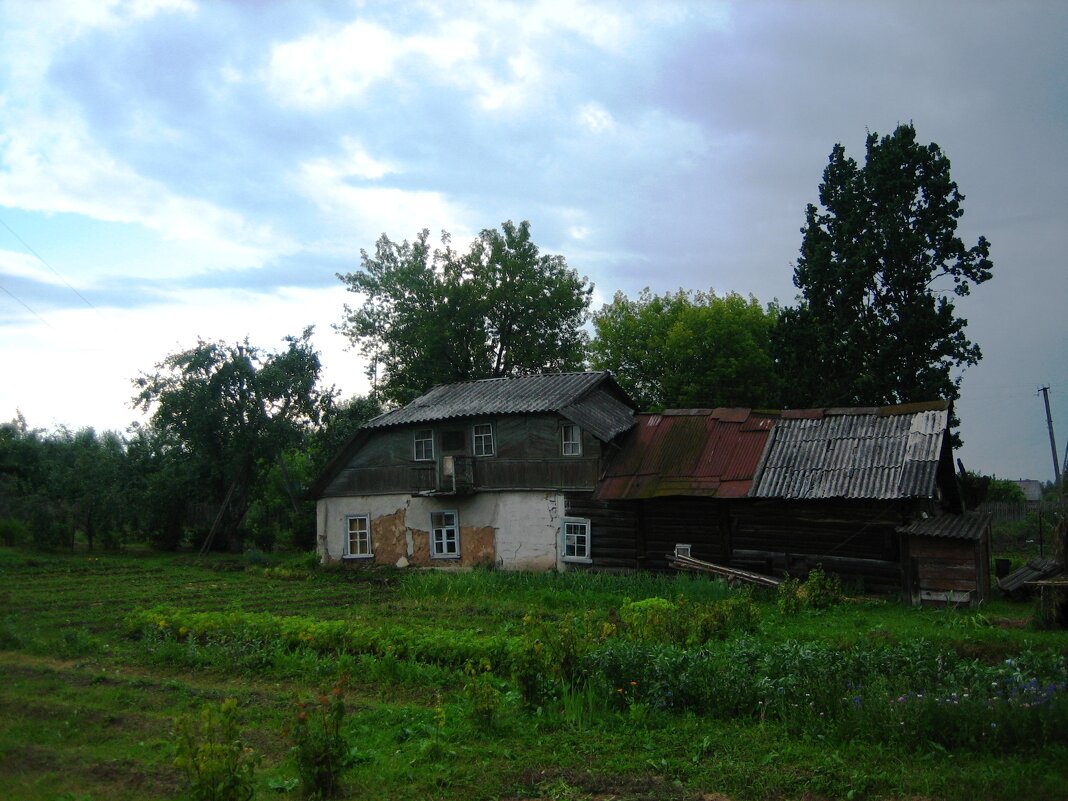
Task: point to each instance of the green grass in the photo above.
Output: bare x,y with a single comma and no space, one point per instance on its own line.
87,711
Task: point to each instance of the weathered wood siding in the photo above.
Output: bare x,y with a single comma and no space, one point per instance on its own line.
527,455
613,529
703,524
857,540
948,570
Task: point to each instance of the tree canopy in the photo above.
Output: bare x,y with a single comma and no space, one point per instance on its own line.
434,316
879,260
221,413
688,349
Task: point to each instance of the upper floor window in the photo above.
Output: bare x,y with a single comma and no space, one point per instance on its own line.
358,536
483,439
424,445
570,440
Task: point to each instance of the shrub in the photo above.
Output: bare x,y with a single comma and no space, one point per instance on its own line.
651,620
657,620
254,557
216,763
13,532
819,591
481,691
319,750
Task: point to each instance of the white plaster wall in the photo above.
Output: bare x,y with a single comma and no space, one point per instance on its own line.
528,527
527,524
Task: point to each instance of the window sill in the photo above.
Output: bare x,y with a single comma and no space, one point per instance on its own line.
578,560
445,556
358,557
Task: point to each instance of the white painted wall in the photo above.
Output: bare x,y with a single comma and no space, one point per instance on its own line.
527,524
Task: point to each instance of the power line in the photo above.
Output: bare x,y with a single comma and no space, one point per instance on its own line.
40,258
25,306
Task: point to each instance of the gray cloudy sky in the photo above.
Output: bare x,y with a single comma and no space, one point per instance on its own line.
172,169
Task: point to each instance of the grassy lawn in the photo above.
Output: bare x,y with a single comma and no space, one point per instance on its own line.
100,655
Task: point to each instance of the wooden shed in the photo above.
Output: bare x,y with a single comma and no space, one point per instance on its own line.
783,492
949,559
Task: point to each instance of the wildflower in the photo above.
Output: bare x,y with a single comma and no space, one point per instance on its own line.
634,684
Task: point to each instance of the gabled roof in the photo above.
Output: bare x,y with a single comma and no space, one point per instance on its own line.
873,453
697,452
593,400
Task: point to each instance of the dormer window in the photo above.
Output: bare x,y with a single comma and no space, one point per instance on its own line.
424,445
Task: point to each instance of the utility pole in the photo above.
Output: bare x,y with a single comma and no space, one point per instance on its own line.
1052,442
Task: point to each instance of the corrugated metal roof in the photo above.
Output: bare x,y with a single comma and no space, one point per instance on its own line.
702,452
601,413
968,526
879,453
549,392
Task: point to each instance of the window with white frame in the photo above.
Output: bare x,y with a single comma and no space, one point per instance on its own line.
575,533
444,535
570,440
424,445
483,439
358,537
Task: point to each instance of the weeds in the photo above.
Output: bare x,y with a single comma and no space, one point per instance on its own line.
819,591
216,763
319,750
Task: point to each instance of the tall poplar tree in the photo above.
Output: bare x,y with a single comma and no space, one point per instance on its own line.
880,261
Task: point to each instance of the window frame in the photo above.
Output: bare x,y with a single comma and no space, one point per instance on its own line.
576,442
416,440
587,557
348,554
478,439
442,552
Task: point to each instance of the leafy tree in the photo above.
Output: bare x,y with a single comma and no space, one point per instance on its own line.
437,316
875,323
1002,490
220,412
64,483
280,514
688,349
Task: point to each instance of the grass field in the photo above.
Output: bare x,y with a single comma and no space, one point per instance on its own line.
493,685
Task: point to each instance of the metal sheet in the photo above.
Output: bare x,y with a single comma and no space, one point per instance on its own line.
878,453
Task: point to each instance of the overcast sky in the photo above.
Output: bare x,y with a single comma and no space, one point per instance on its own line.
172,169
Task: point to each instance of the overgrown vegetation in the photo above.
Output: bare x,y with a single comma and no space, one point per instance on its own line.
490,684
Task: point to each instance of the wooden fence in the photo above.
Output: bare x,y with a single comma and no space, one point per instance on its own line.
1011,512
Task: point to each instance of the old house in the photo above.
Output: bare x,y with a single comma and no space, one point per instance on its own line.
559,472
492,472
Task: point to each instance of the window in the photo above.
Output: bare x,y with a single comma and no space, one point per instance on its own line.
444,535
576,539
483,436
358,537
424,445
682,549
571,440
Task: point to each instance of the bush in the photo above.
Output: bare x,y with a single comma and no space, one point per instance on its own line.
13,532
819,591
483,694
216,763
656,620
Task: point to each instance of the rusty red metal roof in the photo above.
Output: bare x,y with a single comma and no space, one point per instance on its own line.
702,452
